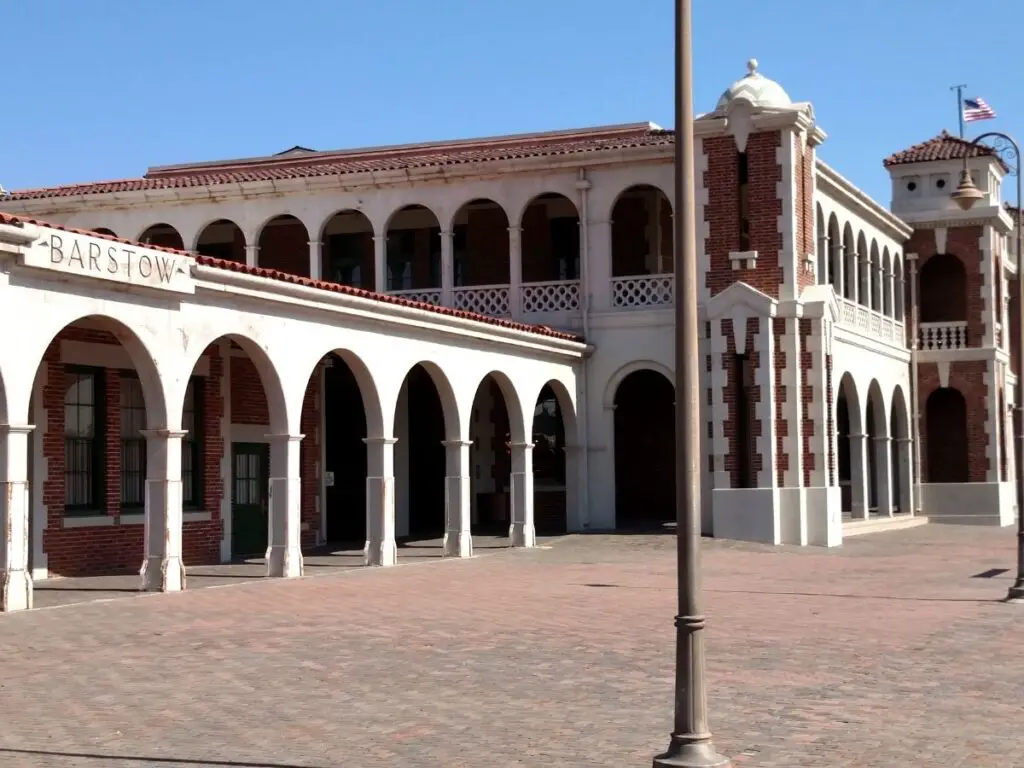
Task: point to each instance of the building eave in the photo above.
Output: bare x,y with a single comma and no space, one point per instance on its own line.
846,192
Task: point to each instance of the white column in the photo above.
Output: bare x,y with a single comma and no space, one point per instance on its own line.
905,466
447,268
883,474
859,500
162,567
380,502
284,553
316,268
522,531
458,540
252,255
15,579
515,272
380,263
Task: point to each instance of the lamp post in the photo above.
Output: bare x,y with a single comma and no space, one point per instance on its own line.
966,195
690,744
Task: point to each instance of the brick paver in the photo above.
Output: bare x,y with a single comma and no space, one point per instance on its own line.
888,652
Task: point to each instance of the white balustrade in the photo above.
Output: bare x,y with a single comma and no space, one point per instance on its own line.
551,296
426,295
482,299
943,335
870,323
640,291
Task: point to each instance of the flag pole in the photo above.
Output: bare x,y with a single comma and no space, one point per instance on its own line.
959,105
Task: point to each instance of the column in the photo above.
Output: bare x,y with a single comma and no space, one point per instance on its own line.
162,567
458,540
905,467
252,255
284,553
515,272
380,263
15,579
883,475
447,269
859,499
380,502
316,265
522,532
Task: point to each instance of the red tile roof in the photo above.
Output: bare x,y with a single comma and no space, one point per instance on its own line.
273,274
945,146
313,164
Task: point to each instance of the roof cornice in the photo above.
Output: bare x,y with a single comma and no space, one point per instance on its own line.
851,196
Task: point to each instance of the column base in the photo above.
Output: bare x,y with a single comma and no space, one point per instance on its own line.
522,535
458,544
284,562
162,574
1015,595
691,756
380,553
15,591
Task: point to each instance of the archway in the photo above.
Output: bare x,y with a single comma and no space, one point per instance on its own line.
849,445
163,236
553,432
104,231
550,240
348,253
480,245
284,245
864,271
888,283
946,436
645,479
877,289
824,269
902,455
222,239
641,232
899,287
851,283
943,283
413,254
878,453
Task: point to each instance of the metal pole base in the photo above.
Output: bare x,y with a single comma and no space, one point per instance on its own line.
1015,594
682,755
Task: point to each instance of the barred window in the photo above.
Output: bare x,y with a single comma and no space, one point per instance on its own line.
133,443
83,440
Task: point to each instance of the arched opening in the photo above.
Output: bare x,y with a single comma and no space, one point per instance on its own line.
902,455
876,277
824,261
550,250
887,283
222,239
864,271
414,254
162,235
943,302
420,427
553,429
491,434
642,238
899,289
850,272
878,461
284,246
946,436
645,478
99,388
849,444
480,245
104,231
347,256
836,266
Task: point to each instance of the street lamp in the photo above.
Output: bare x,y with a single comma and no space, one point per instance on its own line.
966,195
690,745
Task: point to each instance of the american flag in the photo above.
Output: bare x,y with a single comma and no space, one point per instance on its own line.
977,109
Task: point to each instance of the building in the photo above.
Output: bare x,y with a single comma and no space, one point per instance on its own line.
266,355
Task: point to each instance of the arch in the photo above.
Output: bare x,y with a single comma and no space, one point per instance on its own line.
902,470
644,445
642,233
162,235
104,231
943,285
446,394
283,242
875,409
368,390
555,463
899,287
899,420
876,430
848,429
876,277
550,226
824,262
221,239
412,254
347,253
851,286
517,422
835,246
848,391
480,244
566,404
4,419
946,436
608,399
887,283
863,270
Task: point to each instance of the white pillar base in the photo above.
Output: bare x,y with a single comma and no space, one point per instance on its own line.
162,574
522,535
380,549
284,561
15,591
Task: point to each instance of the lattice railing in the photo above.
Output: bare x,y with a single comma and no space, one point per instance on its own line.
552,296
483,299
642,291
426,295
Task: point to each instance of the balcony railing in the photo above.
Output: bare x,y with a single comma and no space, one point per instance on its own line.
426,295
642,291
870,323
950,335
483,299
551,296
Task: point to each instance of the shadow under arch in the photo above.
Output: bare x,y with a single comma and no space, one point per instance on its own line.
608,400
875,410
566,405
446,394
368,390
513,405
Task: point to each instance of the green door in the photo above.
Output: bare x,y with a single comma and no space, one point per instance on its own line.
251,463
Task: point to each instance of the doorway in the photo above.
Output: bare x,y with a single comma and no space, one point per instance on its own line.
249,508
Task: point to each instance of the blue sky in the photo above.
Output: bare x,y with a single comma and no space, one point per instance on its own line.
98,94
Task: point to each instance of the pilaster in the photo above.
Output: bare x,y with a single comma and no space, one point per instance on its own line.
522,531
284,553
381,548
458,540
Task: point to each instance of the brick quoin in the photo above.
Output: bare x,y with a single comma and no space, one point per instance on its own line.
807,401
781,423
968,378
803,204
730,394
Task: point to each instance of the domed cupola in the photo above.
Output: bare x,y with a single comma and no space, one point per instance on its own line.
756,90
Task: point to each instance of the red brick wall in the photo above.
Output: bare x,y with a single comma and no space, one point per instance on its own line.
118,548
248,398
285,247
964,243
722,211
781,423
803,204
968,378
309,458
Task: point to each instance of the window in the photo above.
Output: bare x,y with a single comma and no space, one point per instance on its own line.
83,440
744,201
133,442
191,446
565,246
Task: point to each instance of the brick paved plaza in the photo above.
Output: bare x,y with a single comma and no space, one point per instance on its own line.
889,652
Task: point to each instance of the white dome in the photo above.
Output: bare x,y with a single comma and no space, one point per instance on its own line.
756,89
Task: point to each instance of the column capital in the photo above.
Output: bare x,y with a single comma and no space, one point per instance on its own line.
884,438
315,243
456,443
16,429
163,432
251,247
380,440
515,230
853,436
283,437
445,233
522,446
379,238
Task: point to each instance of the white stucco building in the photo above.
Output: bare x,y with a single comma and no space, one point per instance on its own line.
271,354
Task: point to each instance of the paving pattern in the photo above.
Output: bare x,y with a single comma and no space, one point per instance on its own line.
892,651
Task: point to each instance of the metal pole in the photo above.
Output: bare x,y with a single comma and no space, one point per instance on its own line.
690,745
1016,592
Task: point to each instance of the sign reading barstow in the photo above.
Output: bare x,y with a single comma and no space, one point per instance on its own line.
95,257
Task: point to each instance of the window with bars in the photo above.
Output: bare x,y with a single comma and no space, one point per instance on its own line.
133,442
191,445
83,440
